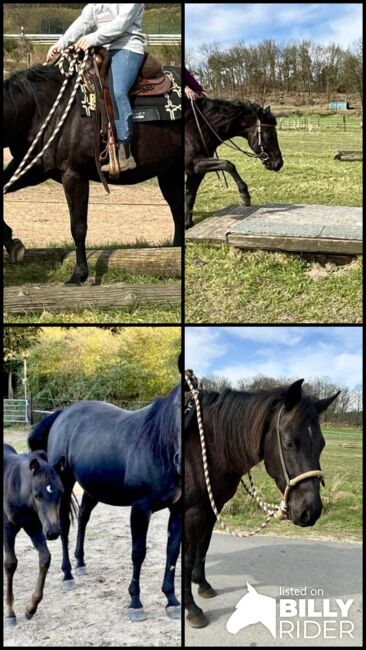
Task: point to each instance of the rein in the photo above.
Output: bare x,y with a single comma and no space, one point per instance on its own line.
72,61
272,510
263,156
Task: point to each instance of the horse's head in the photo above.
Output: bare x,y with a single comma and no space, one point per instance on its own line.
47,491
262,137
295,429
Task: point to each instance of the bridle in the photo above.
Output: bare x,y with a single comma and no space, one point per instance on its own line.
272,510
263,156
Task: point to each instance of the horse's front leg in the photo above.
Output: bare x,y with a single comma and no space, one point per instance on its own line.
65,507
173,608
195,616
193,182
39,543
10,565
173,194
199,575
77,194
86,507
204,166
140,518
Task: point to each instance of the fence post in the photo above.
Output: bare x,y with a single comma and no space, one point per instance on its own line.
344,123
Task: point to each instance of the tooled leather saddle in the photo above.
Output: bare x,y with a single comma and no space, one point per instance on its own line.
151,80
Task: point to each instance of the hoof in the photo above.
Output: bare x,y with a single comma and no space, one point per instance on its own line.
73,282
174,612
247,202
81,571
198,620
10,621
67,585
17,252
207,593
135,615
28,615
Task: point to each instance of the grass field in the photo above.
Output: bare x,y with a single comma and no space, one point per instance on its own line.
341,462
270,287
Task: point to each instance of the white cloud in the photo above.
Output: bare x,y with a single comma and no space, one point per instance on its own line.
276,335
203,346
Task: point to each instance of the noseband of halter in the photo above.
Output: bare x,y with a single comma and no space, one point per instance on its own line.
290,483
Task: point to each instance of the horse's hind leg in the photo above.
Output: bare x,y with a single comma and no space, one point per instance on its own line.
140,517
77,194
86,507
10,565
198,575
174,538
39,543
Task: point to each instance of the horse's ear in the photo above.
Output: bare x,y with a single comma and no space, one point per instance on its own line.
60,465
34,466
322,404
293,395
267,109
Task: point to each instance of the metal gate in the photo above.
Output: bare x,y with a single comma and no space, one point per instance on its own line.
16,410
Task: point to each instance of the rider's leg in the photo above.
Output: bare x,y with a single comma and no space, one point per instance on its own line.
125,65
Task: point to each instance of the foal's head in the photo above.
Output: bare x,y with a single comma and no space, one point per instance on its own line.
302,442
47,490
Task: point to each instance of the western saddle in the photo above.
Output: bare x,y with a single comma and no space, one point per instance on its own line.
151,80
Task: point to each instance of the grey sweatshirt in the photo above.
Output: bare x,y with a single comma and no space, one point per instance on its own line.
118,26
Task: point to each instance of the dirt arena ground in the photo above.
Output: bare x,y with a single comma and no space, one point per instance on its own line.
39,215
95,612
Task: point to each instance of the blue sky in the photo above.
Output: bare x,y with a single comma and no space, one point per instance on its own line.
280,352
232,23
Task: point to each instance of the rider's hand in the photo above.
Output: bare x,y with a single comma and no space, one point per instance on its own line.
189,93
82,44
54,49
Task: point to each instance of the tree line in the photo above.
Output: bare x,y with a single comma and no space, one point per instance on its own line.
269,68
346,410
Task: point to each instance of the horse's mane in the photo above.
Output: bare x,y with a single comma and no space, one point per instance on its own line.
238,420
231,109
27,82
159,429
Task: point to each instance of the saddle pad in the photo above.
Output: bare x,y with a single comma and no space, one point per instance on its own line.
146,108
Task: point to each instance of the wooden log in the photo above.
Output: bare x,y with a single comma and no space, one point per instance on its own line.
158,262
297,244
58,297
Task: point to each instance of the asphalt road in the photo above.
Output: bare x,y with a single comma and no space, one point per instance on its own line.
269,563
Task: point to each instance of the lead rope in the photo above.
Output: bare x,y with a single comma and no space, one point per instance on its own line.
21,170
271,510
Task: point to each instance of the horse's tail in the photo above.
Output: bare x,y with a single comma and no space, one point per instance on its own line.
38,437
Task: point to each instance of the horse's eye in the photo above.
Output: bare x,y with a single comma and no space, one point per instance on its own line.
289,445
38,496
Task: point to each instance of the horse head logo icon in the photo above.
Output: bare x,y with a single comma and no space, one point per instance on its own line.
253,608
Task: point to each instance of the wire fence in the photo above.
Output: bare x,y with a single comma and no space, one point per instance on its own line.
320,122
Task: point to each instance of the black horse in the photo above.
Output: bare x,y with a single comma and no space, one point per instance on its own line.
228,120
240,430
122,458
28,98
32,495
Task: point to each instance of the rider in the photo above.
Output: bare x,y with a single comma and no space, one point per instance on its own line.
119,30
192,89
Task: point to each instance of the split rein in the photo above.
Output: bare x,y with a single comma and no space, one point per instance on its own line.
71,58
272,510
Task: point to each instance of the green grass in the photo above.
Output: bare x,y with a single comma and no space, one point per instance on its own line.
342,496
268,287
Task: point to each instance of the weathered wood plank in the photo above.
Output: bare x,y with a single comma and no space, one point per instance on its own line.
59,297
297,244
159,262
